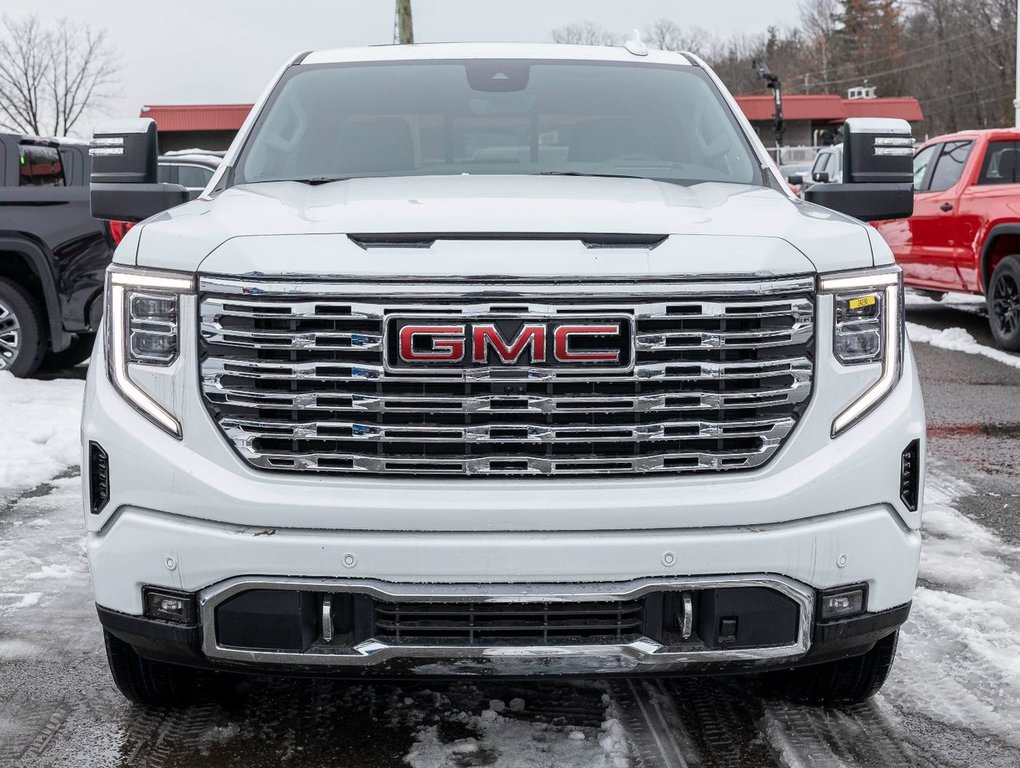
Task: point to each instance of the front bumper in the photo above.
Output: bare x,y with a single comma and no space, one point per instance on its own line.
191,645
214,561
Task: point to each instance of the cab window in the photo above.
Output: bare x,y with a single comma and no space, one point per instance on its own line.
1002,164
949,166
193,176
922,162
40,166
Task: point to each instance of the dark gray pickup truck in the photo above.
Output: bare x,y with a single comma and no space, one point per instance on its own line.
53,255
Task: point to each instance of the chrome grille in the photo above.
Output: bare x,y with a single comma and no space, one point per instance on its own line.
293,374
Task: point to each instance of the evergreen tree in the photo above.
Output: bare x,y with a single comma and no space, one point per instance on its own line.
868,38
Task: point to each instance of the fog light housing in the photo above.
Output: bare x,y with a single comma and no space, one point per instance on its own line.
842,603
167,605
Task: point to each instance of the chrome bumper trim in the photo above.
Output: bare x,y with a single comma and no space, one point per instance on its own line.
642,653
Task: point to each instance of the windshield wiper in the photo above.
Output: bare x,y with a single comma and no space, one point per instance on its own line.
317,180
678,182
599,175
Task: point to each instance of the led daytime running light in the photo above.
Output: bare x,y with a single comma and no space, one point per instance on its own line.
117,362
889,282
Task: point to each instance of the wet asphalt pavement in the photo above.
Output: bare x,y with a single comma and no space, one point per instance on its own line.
58,706
973,409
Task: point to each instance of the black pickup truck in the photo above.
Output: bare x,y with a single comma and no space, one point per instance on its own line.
53,255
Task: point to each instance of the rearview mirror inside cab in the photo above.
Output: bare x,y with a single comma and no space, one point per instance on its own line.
877,172
125,163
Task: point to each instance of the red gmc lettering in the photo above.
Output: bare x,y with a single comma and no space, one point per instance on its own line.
563,334
447,342
509,352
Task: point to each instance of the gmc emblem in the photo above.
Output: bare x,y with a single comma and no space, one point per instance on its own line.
454,344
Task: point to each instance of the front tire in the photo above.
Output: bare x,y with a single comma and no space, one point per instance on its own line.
847,681
1003,298
23,339
150,683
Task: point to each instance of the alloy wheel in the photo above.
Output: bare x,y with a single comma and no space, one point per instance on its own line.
10,336
1006,304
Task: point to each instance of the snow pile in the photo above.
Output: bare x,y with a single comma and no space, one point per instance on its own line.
39,436
503,741
959,655
37,562
958,340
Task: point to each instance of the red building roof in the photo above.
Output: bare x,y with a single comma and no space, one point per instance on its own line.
197,117
829,108
796,106
905,109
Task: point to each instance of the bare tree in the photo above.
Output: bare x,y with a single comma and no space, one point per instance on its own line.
670,36
818,21
957,57
51,78
24,69
585,33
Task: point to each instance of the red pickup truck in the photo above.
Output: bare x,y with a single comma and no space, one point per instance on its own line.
965,231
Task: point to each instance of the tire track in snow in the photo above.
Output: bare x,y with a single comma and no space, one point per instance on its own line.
653,725
854,737
723,718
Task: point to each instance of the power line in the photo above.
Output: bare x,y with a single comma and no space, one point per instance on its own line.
868,63
978,89
910,67
961,107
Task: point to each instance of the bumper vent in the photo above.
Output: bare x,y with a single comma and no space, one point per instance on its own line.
295,377
910,475
531,623
99,478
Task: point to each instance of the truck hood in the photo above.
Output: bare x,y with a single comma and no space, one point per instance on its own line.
293,228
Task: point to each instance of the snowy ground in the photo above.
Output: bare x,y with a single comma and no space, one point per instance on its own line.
39,435
953,698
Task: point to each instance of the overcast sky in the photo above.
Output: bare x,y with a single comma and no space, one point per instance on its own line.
225,51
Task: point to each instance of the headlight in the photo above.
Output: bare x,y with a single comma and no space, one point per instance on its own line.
153,327
142,320
867,328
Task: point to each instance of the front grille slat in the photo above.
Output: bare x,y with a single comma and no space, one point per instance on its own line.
506,433
536,623
216,369
294,376
455,403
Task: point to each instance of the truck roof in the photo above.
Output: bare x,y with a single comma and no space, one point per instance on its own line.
992,134
441,51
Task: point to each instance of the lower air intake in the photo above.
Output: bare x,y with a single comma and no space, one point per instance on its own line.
531,623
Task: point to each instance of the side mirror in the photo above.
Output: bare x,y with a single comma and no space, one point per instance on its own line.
878,172
797,179
125,163
821,177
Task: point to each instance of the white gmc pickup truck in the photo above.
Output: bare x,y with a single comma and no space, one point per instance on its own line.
502,360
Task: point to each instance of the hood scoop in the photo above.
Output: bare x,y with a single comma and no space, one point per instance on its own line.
368,241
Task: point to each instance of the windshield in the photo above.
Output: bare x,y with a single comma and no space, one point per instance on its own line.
340,121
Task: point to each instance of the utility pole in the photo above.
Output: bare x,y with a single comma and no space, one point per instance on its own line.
773,83
405,25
